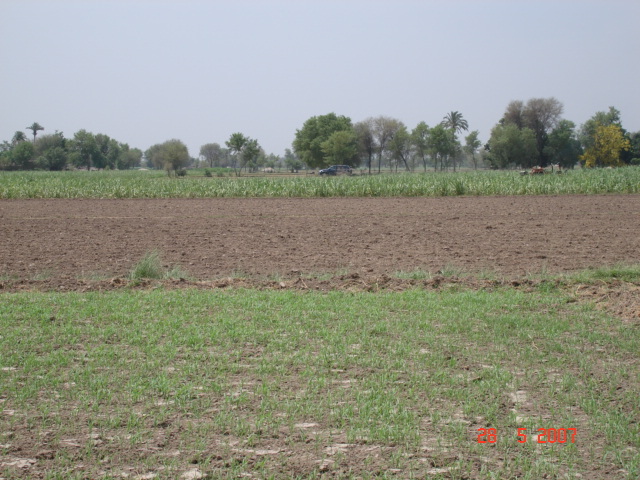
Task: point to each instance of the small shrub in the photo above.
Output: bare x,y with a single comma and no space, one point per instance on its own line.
149,267
181,172
207,172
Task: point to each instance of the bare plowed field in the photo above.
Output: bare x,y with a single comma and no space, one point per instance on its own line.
51,243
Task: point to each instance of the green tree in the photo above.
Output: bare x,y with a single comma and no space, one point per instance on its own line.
153,156
245,152
563,147
291,161
316,130
272,161
5,159
512,146
53,159
341,148
212,154
634,150
108,152
236,144
251,155
128,157
22,156
588,130
472,144
366,141
18,137
401,147
384,129
540,115
51,151
514,114
610,117
35,127
442,145
176,155
608,143
420,139
83,149
171,155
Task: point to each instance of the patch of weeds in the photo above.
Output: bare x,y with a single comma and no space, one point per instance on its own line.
317,276
548,286
413,275
176,273
8,278
239,274
325,276
487,275
150,268
451,271
42,276
626,273
276,277
95,276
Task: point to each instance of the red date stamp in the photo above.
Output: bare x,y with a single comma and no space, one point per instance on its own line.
544,435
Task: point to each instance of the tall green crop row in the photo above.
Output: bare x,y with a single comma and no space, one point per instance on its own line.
134,184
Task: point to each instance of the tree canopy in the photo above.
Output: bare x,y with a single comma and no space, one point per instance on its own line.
213,154
341,148
244,151
309,140
512,146
608,143
540,115
171,155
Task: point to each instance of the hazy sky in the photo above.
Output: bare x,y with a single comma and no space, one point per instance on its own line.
146,71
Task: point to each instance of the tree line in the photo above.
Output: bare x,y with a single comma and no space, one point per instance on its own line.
55,152
531,133
535,134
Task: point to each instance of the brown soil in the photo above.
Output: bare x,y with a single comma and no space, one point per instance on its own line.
78,243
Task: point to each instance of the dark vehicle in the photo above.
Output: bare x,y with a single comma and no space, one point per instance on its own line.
336,170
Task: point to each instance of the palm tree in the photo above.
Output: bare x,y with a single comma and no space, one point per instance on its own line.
456,123
34,128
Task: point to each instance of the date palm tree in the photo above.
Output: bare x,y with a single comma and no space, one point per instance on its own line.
34,128
455,122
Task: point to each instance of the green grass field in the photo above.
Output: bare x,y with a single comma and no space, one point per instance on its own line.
241,383
155,184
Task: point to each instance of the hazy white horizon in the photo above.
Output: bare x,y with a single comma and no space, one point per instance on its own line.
146,71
